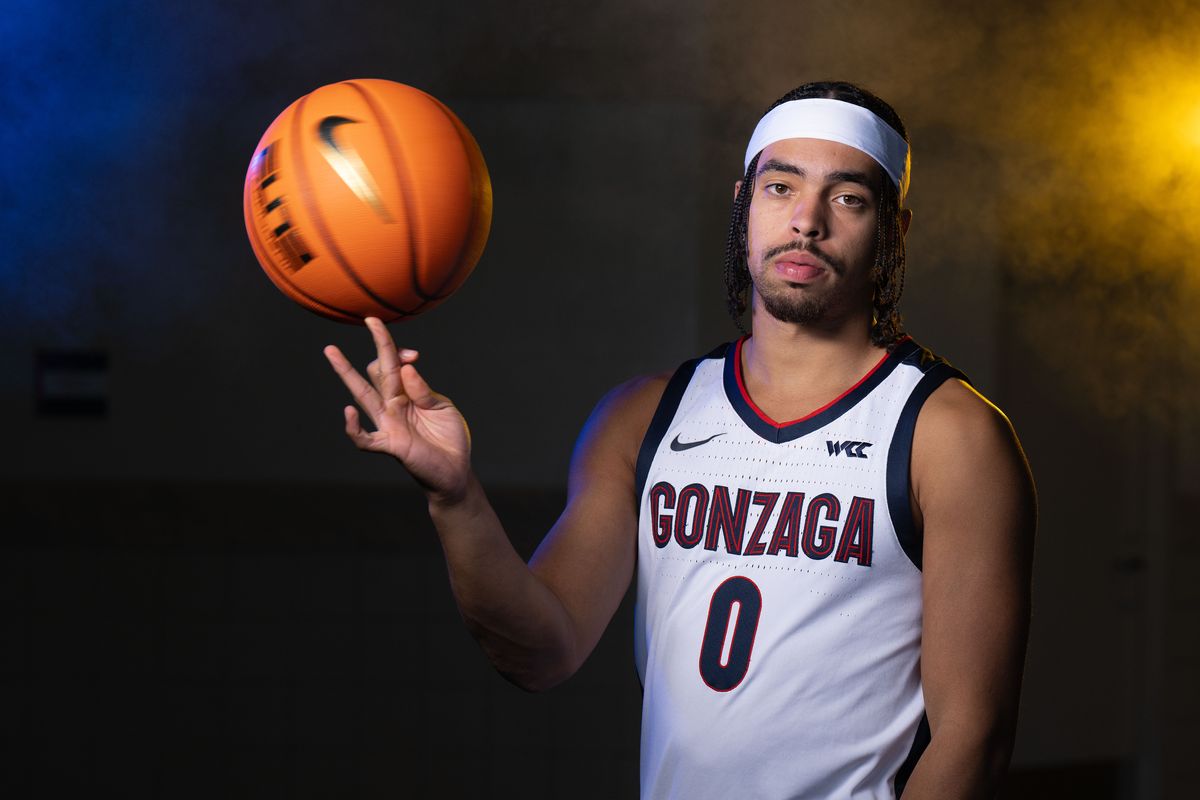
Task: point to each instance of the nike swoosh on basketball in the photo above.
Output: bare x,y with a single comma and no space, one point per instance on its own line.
677,445
349,166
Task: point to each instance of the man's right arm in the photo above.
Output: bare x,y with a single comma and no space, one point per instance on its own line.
537,622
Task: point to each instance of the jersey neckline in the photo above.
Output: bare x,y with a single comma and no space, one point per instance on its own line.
759,422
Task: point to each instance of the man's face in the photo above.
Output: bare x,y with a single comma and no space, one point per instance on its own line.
811,230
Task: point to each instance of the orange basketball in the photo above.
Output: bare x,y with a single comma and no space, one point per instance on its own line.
367,198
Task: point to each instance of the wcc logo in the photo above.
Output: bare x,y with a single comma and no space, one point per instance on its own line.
848,449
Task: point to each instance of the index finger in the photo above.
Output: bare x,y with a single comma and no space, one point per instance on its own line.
364,393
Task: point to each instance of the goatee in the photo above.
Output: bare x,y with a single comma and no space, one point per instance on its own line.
794,310
786,306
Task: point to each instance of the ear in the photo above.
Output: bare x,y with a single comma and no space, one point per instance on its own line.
737,187
905,220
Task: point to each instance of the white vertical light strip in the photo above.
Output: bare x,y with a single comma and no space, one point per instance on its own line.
735,611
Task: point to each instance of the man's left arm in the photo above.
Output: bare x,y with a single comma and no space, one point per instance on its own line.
973,495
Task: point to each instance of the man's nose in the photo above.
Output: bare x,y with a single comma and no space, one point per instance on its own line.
808,218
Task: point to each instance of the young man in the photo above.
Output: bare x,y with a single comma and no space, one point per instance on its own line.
842,598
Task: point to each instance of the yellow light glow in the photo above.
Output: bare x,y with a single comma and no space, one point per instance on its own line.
1101,198
1157,114
1195,126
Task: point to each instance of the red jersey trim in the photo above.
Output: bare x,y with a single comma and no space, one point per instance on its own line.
737,372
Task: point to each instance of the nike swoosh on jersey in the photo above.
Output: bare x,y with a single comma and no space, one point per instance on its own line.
677,445
349,166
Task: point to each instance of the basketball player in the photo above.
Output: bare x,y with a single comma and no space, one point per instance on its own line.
831,530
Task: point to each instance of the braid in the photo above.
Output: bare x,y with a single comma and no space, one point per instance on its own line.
737,275
888,271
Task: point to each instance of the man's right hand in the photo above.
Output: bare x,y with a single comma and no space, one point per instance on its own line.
536,622
420,428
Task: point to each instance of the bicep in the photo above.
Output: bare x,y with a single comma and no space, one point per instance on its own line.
588,558
976,499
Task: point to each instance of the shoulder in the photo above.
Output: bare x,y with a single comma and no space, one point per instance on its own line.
956,416
620,420
964,447
636,395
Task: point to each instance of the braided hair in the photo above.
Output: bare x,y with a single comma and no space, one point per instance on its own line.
887,274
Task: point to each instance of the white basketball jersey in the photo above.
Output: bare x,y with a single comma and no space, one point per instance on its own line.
778,620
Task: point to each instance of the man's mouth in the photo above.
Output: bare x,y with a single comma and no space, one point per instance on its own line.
799,267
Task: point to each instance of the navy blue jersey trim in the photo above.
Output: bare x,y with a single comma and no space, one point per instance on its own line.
920,742
663,416
899,462
786,433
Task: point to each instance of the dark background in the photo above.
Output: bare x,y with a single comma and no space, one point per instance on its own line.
207,591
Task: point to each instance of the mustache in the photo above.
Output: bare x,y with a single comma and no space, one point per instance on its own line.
803,246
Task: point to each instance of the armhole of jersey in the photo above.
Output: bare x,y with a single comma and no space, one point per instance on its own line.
920,742
662,420
900,460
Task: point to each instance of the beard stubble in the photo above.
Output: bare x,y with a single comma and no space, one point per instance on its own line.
789,305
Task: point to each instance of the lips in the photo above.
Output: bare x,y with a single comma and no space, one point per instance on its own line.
798,267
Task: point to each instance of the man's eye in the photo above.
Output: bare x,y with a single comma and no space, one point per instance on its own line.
850,200
776,188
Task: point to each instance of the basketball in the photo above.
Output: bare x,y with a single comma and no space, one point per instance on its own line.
367,198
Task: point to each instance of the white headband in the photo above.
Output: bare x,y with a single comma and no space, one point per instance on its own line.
835,121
